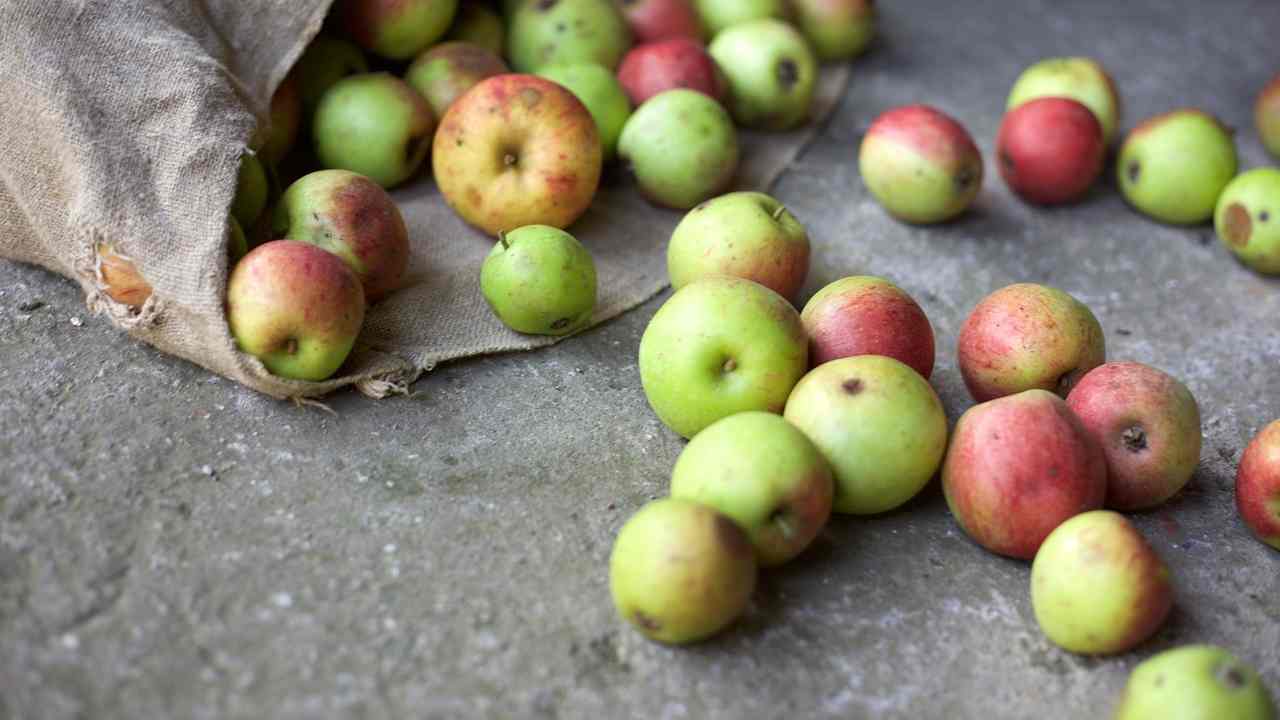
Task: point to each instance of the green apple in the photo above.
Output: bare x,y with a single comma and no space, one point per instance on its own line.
251,190
373,124
718,15
1195,682
540,280
719,346
237,243
1174,166
759,470
566,32
1078,78
920,164
681,572
771,71
395,29
599,90
745,234
837,29
475,23
1248,219
682,148
325,61
446,71
879,424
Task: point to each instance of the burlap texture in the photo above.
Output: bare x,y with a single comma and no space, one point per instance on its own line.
123,121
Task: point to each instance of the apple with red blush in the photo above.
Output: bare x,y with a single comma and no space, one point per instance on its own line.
1258,485
865,315
656,67
654,20
1051,150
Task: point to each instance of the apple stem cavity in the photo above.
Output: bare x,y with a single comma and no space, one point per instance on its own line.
729,366
777,214
783,522
1134,439
788,73
291,347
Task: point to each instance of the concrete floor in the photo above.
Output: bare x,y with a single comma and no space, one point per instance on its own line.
172,545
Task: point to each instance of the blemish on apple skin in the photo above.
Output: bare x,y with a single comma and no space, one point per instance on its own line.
645,621
852,386
1237,225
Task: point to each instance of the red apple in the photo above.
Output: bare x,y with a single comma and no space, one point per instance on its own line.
866,315
1266,116
1018,467
653,20
677,63
1051,150
1258,485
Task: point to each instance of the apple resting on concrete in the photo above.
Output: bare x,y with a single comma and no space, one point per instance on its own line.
325,61
477,24
1194,682
1247,219
251,190
448,70
837,29
865,315
120,278
655,20
518,150
1173,167
1098,587
719,346
1028,336
1258,485
395,29
765,475
566,32
1148,425
352,217
1051,150
1079,78
681,572
1266,116
600,91
677,63
375,125
682,148
1018,467
286,118
295,307
879,424
745,234
771,71
719,15
921,165
540,280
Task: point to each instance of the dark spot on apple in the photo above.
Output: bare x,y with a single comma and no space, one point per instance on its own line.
531,96
1232,676
561,324
852,386
1133,170
510,159
545,5
1237,226
1134,439
561,27
729,366
291,346
788,74
965,178
649,624
1264,216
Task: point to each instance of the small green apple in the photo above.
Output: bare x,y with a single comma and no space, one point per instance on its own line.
837,29
1174,166
1248,219
682,148
1079,78
395,29
251,190
475,23
1195,682
540,280
376,125
719,15
325,61
772,73
444,72
566,32
604,97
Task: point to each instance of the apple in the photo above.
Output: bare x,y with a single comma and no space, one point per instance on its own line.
477,24
446,71
719,346
518,150
1193,682
237,243
1028,336
325,61
879,424
285,119
745,234
1097,586
655,20
762,473
866,315
837,29
1247,219
920,164
718,15
566,32
251,190
120,278
1051,150
771,70
1018,467
1266,116
352,217
1148,425
1078,78
682,148
681,572
540,280
295,307
600,91
395,29
1174,166
1258,485
373,124
676,63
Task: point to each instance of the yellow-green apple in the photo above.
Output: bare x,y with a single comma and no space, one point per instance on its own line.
771,70
566,32
120,278
680,571
1097,585
1173,167
867,315
1051,150
879,424
326,60
920,164
1079,78
352,217
600,91
518,150
395,29
837,29
1195,682
540,280
1266,116
1018,467
1148,425
682,148
656,67
654,20
446,71
1258,485
719,346
251,190
478,24
745,234
373,124
285,119
1028,336
765,475
718,15
1247,219
295,307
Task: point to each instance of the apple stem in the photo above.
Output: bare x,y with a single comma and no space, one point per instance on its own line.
784,524
777,214
502,238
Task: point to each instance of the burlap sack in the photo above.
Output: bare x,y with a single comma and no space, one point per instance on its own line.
123,121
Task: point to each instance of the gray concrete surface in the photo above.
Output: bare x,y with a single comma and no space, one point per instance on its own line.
172,545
